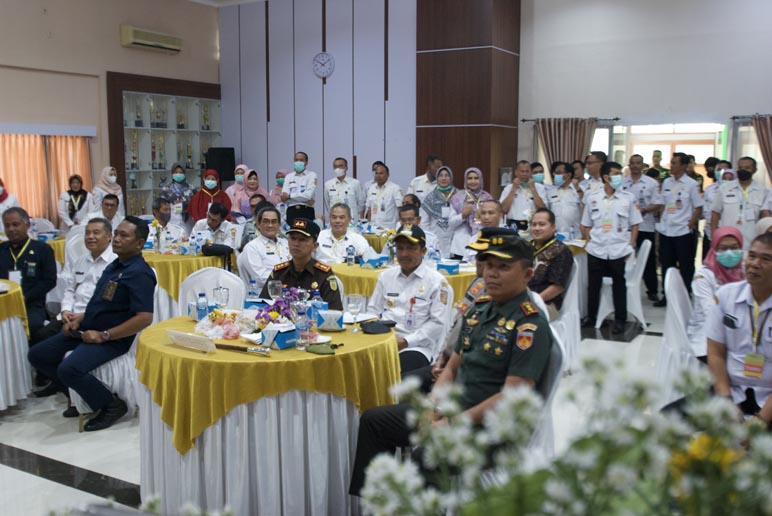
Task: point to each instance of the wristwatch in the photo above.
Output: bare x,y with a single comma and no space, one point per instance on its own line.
105,336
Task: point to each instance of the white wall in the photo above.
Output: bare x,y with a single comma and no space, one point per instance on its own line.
659,61
348,116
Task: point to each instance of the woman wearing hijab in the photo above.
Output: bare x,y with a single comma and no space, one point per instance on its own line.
250,187
275,196
211,192
722,265
6,201
107,184
467,202
721,176
73,204
239,173
179,193
439,215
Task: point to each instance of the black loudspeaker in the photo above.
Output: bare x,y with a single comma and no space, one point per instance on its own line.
300,211
223,160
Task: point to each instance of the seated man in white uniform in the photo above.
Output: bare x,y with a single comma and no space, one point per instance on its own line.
267,249
417,298
410,215
215,228
162,211
109,211
335,241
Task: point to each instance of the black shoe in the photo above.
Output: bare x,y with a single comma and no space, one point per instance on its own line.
71,412
662,302
619,327
111,413
41,380
588,322
652,296
47,391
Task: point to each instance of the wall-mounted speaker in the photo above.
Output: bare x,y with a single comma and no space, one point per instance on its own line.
223,160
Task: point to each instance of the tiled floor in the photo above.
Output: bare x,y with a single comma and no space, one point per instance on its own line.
45,464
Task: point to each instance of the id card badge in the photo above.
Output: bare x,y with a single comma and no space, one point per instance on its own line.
678,204
753,365
410,320
446,212
110,289
178,208
670,209
750,215
15,276
606,225
375,209
383,207
32,269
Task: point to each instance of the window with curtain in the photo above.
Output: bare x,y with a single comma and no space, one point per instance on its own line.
36,169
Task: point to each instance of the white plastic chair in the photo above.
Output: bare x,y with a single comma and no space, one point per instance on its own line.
75,231
568,323
74,248
241,265
675,353
206,279
633,277
43,225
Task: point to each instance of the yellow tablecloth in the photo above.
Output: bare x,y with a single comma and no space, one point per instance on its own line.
357,280
376,241
172,269
12,303
576,250
194,389
58,247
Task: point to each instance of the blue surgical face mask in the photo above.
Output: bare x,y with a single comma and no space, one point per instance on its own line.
178,178
299,166
538,178
210,184
616,181
240,178
557,180
730,258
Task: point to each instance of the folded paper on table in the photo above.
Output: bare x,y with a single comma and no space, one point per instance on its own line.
191,341
349,319
280,336
329,320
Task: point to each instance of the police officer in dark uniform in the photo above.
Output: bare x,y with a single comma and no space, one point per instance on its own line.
303,271
504,342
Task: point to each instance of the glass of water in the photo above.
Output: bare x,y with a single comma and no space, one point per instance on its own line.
221,296
274,289
354,305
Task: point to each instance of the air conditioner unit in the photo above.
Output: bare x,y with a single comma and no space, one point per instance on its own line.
133,37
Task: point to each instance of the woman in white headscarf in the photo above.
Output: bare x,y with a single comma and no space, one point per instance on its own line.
107,184
438,214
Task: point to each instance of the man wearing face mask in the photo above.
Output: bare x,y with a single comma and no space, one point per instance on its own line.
715,172
610,226
300,185
563,199
344,190
422,185
739,203
162,211
521,198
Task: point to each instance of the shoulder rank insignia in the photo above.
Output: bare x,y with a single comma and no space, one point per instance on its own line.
280,266
483,299
528,308
322,267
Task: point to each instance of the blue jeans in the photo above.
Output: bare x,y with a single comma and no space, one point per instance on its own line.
73,371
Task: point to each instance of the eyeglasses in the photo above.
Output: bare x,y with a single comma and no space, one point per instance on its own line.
270,222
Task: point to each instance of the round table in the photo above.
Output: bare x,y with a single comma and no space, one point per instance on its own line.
358,280
58,247
264,435
375,240
16,380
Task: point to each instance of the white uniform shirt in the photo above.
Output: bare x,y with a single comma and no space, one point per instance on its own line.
99,215
590,185
680,198
523,205
225,234
567,207
729,323
262,254
704,287
300,187
444,236
646,193
383,203
10,202
421,186
433,300
172,232
349,192
332,250
64,212
95,201
740,208
708,195
81,277
610,220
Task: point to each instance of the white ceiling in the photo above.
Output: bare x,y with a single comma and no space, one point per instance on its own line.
224,3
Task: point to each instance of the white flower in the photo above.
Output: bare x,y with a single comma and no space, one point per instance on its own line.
392,487
405,388
558,490
621,477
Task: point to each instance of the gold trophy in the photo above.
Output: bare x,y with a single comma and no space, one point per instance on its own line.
138,117
180,121
189,160
161,153
134,165
205,125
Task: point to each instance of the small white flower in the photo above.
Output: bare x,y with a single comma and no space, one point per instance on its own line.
405,388
558,490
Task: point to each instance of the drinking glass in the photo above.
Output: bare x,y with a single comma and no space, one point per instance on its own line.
221,296
354,305
303,294
274,289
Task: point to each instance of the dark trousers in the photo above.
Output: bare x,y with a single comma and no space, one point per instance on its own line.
381,430
73,371
47,331
678,252
36,316
650,272
705,246
597,268
424,374
410,360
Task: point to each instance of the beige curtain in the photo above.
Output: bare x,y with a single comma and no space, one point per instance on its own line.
65,156
763,126
23,170
565,139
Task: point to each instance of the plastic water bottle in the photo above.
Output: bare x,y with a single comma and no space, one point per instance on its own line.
571,233
253,295
360,226
202,306
316,304
350,256
33,231
435,255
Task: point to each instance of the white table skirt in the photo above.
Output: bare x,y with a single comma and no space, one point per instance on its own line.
289,454
165,307
581,262
16,378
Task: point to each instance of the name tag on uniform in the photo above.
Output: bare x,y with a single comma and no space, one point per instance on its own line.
410,320
177,208
753,365
750,215
446,212
15,276
110,289
606,225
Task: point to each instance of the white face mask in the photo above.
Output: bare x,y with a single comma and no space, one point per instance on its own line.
112,179
2,190
340,172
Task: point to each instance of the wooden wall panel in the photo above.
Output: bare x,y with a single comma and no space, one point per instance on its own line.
506,25
505,81
454,23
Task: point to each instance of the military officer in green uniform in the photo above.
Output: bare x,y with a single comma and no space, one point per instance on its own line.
303,271
504,342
